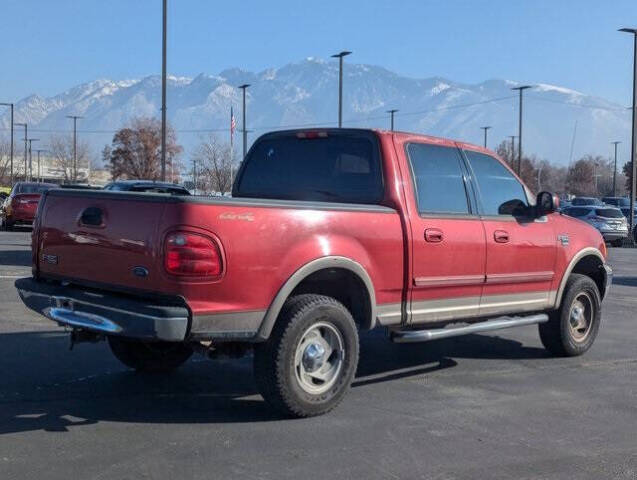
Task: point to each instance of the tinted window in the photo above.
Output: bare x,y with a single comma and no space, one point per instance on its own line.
500,192
340,167
609,212
32,187
586,201
578,211
438,178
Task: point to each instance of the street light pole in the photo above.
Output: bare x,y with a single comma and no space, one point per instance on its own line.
31,140
244,131
163,91
11,152
25,147
521,89
340,56
74,117
485,135
615,170
633,150
391,113
38,151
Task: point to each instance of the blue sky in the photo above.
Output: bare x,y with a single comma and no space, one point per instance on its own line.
49,46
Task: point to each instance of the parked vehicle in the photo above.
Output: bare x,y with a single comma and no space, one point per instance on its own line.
146,186
20,206
582,201
617,201
610,221
328,233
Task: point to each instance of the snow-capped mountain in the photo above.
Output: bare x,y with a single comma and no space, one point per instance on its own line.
305,94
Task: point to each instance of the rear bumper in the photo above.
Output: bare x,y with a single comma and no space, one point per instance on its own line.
107,313
614,235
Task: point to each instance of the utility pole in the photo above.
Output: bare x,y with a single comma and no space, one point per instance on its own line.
633,150
38,151
163,92
615,170
391,114
31,140
340,56
11,152
25,147
521,89
512,137
243,125
74,117
486,129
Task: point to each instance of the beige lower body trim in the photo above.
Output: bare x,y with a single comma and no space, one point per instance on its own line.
227,325
389,314
429,311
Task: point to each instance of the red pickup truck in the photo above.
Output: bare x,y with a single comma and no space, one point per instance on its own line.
328,233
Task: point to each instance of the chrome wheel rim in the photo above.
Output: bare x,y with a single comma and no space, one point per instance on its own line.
318,359
580,318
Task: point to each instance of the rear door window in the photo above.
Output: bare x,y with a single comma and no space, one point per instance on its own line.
438,179
578,211
330,166
609,213
499,191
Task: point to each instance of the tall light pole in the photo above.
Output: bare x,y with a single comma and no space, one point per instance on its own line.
244,131
391,116
25,147
163,91
633,150
11,152
521,89
31,140
615,170
340,56
74,117
486,129
38,151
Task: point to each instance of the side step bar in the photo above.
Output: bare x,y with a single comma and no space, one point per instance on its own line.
413,336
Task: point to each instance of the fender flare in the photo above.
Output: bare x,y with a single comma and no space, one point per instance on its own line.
567,273
301,274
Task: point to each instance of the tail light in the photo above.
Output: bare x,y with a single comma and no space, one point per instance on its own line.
311,134
192,255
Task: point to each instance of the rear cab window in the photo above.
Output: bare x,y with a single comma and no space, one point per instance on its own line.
341,166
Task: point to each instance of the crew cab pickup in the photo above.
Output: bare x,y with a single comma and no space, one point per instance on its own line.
328,233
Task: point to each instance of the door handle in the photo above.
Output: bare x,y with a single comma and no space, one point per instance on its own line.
500,236
433,235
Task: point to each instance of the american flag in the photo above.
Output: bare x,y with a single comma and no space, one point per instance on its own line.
233,125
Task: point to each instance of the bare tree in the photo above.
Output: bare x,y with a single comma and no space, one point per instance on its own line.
213,165
61,151
136,151
5,162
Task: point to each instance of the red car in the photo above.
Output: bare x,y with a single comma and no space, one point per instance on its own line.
20,206
329,232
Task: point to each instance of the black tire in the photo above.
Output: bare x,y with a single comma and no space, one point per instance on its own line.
559,335
155,357
617,243
282,382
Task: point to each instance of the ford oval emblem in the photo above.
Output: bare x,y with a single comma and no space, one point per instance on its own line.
140,272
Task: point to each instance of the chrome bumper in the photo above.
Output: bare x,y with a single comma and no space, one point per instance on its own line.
104,312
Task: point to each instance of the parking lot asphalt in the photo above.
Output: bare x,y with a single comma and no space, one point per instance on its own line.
481,406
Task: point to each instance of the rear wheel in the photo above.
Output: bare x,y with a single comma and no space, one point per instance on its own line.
308,363
149,356
572,329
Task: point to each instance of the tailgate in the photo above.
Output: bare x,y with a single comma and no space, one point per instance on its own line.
106,238
26,203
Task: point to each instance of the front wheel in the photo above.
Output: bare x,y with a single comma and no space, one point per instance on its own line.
156,357
308,363
572,329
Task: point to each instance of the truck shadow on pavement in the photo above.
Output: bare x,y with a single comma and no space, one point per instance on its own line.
626,281
15,258
47,387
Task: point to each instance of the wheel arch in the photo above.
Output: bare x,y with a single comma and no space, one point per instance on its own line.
588,261
313,270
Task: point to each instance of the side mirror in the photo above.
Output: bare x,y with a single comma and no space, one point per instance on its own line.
546,203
